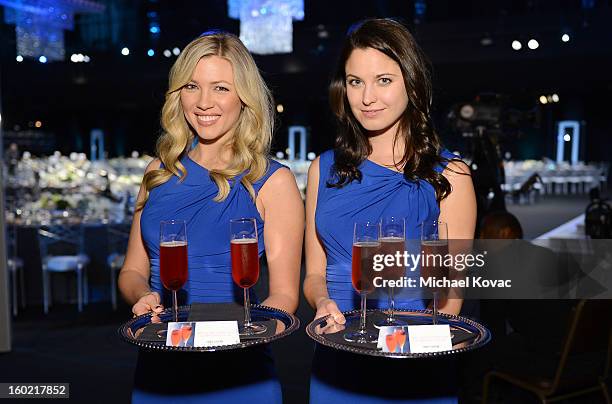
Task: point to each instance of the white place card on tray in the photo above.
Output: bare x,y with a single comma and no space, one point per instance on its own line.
429,338
202,333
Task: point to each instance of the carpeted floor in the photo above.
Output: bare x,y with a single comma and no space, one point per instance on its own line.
548,213
85,351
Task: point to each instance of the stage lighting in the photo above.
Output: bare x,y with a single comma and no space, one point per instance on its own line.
543,99
19,58
125,51
467,112
151,52
280,108
167,53
567,137
176,51
42,59
565,38
516,45
322,32
555,98
486,41
533,44
479,113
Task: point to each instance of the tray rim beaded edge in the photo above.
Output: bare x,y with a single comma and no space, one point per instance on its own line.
483,338
294,324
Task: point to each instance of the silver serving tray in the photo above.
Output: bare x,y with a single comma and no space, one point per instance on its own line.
137,331
331,335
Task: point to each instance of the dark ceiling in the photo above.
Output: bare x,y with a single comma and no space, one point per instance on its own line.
123,95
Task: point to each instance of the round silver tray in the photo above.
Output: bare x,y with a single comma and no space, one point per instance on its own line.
134,333
330,335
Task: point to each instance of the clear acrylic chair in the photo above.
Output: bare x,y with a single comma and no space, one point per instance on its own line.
583,362
118,235
62,250
15,268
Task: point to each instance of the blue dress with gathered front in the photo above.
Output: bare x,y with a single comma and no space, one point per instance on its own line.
215,377
343,377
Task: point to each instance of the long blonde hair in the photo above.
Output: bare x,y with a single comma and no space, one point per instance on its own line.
252,136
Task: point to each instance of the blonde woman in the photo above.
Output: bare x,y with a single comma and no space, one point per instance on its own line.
213,166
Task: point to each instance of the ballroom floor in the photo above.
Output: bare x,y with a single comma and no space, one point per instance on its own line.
548,213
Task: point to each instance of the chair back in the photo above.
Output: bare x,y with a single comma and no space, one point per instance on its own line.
11,241
118,236
61,240
589,334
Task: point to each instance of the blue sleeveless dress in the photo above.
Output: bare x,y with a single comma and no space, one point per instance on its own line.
212,377
343,377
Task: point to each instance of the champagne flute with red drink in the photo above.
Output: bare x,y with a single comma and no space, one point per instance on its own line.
186,332
366,244
434,249
400,336
392,241
391,341
173,257
245,266
176,337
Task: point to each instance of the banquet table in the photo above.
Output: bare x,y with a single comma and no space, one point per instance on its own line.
587,262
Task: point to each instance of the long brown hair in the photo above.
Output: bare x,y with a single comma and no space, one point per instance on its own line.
423,147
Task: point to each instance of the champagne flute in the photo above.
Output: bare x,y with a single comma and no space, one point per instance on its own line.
366,244
392,241
434,244
186,332
176,337
400,336
173,257
245,266
391,341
